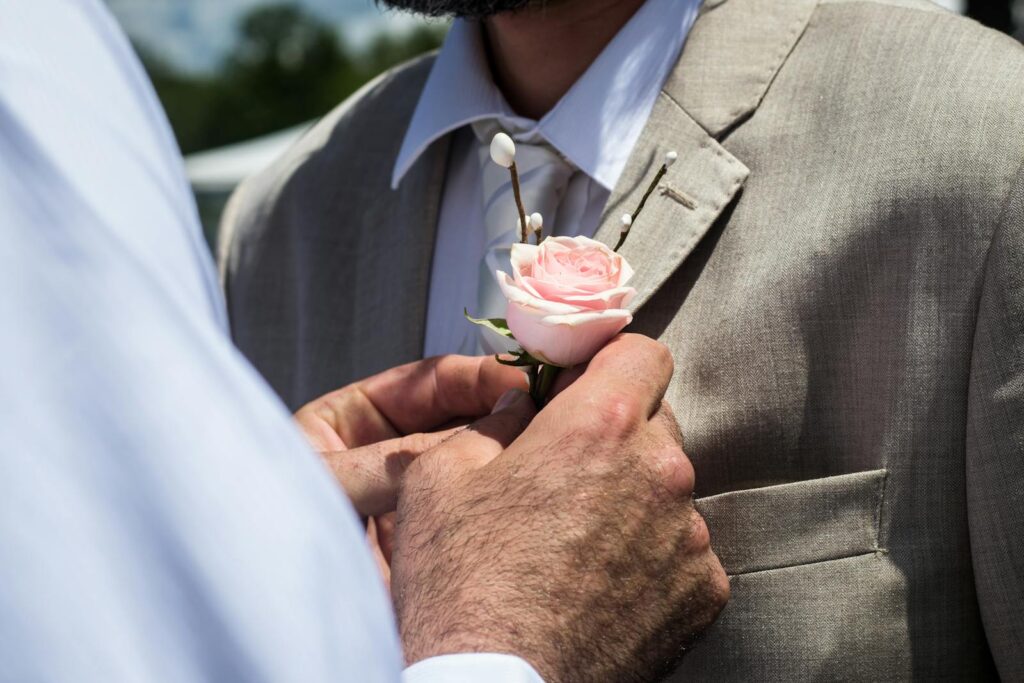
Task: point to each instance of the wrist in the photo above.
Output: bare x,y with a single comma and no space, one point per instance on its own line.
445,640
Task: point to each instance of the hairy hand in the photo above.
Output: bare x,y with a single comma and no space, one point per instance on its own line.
368,432
574,543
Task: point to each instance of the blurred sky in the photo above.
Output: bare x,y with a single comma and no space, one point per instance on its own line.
193,34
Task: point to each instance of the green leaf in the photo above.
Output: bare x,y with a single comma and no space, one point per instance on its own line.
493,324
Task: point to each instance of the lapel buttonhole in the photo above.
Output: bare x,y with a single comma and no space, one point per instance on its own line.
666,190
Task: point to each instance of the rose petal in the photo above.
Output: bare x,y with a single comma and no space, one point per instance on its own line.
605,299
517,295
565,340
567,297
523,258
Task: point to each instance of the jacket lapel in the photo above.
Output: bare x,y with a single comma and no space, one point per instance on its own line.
690,197
732,56
730,59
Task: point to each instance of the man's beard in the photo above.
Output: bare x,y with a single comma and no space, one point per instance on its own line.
471,9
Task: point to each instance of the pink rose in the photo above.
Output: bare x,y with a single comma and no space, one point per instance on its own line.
567,298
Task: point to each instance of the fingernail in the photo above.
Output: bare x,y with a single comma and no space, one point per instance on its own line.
508,399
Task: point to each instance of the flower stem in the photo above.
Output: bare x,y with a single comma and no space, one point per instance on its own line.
524,227
542,378
650,189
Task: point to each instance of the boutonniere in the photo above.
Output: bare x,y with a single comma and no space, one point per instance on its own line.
567,296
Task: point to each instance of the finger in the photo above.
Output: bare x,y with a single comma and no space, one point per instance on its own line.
621,388
417,397
343,419
371,475
476,445
420,396
386,534
664,457
666,418
381,555
631,365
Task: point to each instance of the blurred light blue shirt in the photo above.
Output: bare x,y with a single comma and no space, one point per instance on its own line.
161,519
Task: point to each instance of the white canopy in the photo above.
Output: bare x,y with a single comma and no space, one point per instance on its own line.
221,170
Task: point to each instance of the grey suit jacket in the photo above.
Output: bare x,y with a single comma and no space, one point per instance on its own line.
842,286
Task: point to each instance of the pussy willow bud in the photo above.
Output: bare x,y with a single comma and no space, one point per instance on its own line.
503,150
627,222
670,158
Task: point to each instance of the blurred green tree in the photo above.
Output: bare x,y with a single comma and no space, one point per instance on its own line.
287,66
187,99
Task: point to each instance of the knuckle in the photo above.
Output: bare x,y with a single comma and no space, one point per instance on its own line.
662,357
666,412
667,418
722,590
700,537
666,423
674,471
649,354
706,593
717,586
617,414
433,365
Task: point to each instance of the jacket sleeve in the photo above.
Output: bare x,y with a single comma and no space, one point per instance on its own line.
995,441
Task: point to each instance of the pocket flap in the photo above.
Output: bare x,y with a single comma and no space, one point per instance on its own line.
793,524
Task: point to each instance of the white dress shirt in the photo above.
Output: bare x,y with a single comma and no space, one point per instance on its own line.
595,126
161,517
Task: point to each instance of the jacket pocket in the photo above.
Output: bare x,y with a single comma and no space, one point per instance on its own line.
795,524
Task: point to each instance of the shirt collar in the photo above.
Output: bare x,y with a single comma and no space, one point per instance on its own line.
598,121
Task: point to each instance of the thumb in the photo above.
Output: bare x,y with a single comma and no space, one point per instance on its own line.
477,444
371,475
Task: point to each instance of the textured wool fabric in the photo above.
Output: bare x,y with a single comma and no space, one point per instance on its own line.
836,262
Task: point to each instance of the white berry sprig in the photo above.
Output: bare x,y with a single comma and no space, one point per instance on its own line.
503,153
537,226
630,218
